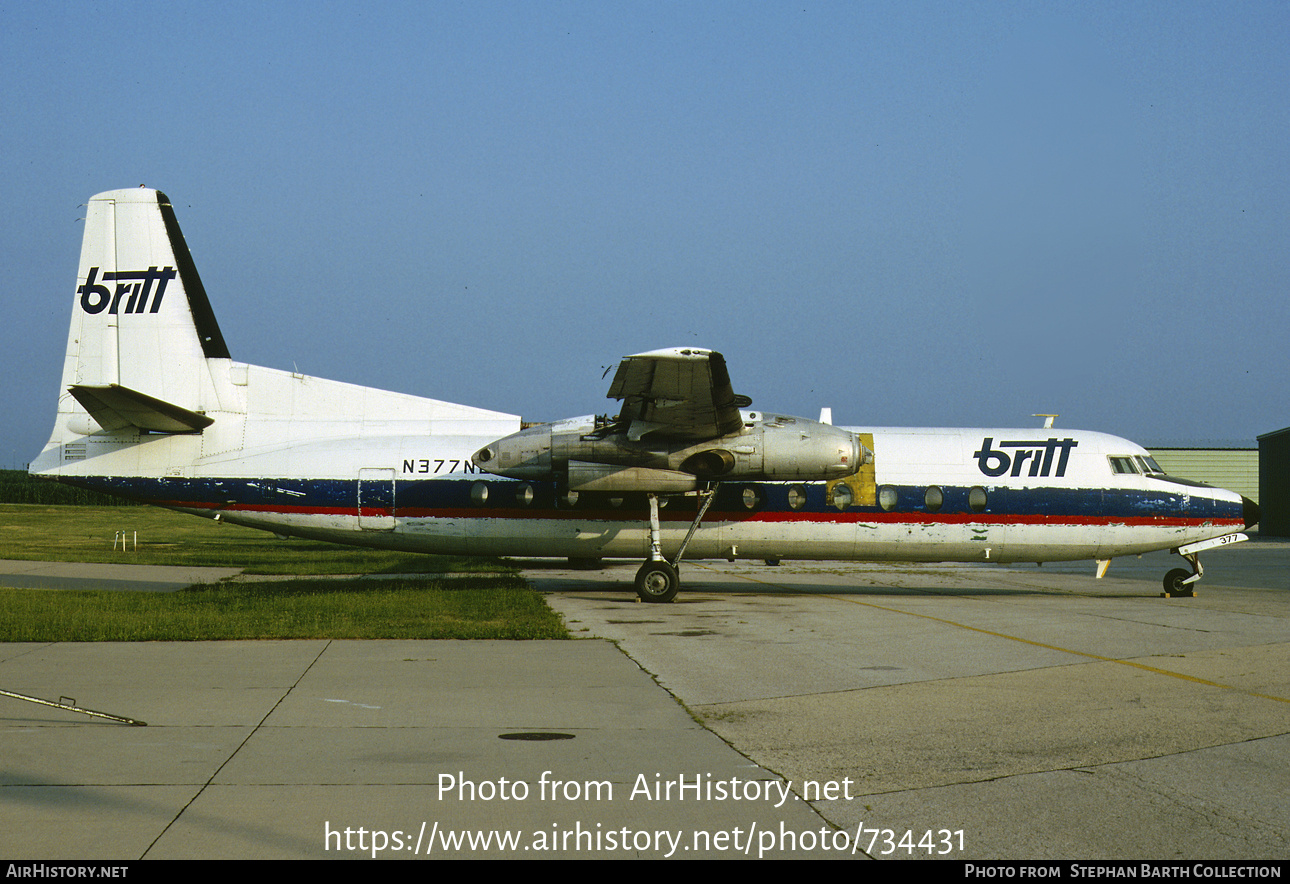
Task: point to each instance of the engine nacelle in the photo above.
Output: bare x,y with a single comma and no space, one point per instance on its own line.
611,477
586,457
522,455
780,448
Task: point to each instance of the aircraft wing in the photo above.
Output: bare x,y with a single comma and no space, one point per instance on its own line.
680,393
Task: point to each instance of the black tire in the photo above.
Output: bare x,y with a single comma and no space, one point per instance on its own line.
657,582
1174,582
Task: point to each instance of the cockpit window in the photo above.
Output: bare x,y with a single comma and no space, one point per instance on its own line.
1122,464
1148,465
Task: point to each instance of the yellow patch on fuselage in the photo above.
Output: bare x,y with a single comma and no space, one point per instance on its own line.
863,482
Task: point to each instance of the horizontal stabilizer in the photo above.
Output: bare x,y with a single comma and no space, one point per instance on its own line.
114,407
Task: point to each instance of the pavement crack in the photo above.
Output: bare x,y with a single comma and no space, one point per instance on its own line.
238,749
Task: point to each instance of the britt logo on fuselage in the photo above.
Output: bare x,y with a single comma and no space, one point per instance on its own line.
994,462
137,284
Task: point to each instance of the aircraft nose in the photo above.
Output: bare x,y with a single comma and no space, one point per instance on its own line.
1251,512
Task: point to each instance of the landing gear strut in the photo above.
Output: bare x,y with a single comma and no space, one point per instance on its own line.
658,579
1181,583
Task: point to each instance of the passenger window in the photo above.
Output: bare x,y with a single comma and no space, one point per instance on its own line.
796,497
841,496
977,499
933,499
887,498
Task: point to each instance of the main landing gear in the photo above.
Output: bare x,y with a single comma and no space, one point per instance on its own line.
1181,583
658,580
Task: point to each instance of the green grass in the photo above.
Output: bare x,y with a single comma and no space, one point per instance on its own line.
467,604
86,533
467,607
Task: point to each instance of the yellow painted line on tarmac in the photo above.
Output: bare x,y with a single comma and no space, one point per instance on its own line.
1024,641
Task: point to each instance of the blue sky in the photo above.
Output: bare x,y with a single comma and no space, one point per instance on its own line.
944,214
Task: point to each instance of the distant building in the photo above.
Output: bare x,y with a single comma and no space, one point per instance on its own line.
1233,465
1274,482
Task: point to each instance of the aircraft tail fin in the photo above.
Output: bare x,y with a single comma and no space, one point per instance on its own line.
148,385
142,326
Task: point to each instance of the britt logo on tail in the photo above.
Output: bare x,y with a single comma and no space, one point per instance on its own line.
95,297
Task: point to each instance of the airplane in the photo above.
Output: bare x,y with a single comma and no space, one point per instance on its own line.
153,408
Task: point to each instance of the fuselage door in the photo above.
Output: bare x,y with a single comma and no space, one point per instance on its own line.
376,499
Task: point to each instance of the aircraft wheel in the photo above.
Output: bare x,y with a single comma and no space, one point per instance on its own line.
1174,582
657,581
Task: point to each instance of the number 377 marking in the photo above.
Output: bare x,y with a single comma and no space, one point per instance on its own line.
436,465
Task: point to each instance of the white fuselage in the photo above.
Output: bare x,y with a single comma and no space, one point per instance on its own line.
410,484
153,408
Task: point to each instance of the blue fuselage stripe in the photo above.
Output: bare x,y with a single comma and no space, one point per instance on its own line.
506,498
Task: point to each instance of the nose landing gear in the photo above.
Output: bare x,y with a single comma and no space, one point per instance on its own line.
1180,583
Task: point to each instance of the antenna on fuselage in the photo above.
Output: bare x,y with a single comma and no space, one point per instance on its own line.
1048,420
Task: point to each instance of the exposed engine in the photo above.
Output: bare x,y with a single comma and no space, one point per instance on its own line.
593,454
